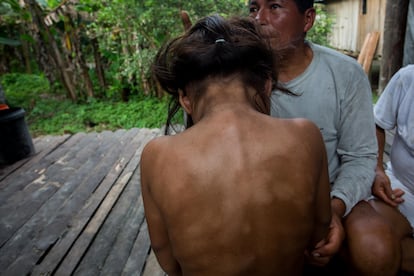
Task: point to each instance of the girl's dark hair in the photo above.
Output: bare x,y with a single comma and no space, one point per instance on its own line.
214,47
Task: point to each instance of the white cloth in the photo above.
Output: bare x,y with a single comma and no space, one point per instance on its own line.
407,207
395,109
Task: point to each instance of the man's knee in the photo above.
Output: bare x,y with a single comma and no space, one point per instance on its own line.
394,217
408,256
372,243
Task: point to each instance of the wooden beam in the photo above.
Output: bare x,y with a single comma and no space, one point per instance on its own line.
368,51
394,33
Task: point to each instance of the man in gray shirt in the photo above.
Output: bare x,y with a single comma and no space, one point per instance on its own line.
334,92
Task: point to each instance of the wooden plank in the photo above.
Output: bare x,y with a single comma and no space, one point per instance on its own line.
368,51
120,249
76,241
51,220
46,224
78,223
17,206
6,169
142,244
43,235
111,246
42,147
79,248
20,206
17,182
373,42
141,249
363,53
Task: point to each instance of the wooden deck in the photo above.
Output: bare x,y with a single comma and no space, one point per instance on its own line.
74,208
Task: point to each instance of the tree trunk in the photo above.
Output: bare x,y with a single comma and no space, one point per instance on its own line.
394,30
98,63
53,61
63,67
81,64
26,53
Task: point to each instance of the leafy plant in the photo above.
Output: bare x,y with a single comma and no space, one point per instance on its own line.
98,115
49,115
322,27
130,32
24,89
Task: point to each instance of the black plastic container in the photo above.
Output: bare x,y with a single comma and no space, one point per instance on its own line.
15,140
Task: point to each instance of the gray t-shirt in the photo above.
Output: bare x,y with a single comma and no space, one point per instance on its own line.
334,93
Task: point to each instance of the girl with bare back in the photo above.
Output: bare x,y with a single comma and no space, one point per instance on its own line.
238,192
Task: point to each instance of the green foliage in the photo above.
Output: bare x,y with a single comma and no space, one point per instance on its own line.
130,32
10,12
9,7
24,89
374,96
59,117
322,27
47,113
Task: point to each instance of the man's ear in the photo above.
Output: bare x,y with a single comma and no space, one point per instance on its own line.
310,15
185,102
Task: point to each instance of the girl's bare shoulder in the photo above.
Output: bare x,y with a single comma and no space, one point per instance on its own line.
162,147
155,147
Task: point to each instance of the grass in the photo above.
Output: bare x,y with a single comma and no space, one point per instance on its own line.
374,96
50,113
56,117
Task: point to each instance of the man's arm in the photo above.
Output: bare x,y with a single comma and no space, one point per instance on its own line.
357,145
329,246
160,242
381,187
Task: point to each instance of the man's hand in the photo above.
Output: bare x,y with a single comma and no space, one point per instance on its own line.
381,188
327,248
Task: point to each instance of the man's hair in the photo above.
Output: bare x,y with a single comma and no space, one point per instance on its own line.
214,47
303,5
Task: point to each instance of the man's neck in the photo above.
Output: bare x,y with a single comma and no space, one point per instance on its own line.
294,62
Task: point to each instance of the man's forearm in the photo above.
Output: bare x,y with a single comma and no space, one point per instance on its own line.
338,207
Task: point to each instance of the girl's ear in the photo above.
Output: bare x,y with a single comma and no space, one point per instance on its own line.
268,87
185,102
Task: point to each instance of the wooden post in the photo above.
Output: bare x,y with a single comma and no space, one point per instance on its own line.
393,46
368,50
